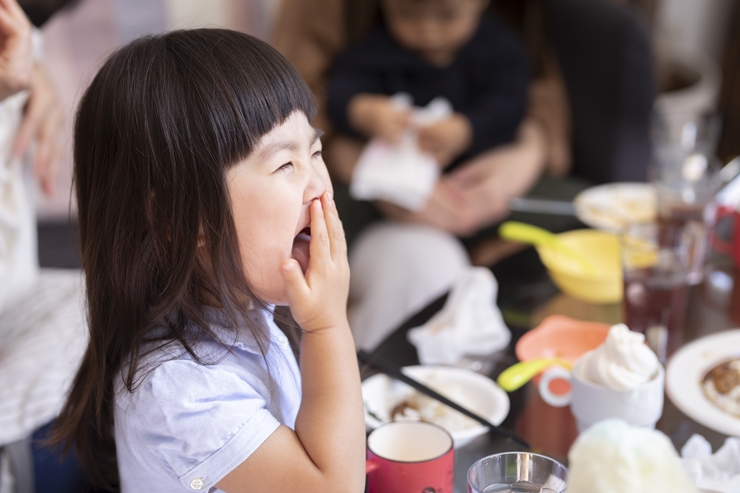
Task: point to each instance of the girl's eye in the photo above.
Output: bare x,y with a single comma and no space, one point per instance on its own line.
318,154
285,167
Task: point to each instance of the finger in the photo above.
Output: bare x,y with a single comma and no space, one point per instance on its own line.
49,182
7,26
29,127
13,7
425,144
335,230
15,15
48,153
296,287
319,247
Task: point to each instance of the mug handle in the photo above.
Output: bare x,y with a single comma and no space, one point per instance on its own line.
555,373
721,245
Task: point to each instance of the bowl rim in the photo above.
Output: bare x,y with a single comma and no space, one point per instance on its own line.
556,323
599,275
460,437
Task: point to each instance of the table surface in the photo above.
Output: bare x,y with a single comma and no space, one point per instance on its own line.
526,297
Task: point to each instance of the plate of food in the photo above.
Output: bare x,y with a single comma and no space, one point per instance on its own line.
612,206
388,400
703,381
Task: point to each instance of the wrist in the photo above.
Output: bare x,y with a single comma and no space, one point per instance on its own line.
464,131
359,113
339,324
533,137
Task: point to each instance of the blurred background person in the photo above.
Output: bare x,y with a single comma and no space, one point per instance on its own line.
39,310
592,62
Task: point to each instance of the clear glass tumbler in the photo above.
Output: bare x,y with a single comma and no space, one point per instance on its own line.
685,172
517,472
656,259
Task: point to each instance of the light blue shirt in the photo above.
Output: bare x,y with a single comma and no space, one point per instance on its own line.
187,425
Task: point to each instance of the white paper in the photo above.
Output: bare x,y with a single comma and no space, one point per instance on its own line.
718,472
469,323
400,173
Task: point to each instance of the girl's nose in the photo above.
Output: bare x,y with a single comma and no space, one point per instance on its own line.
317,184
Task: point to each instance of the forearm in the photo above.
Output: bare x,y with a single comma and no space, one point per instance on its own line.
330,422
526,161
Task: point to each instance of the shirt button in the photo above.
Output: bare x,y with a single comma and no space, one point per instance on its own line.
197,484
282,341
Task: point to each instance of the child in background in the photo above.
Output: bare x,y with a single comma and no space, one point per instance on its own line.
204,202
431,48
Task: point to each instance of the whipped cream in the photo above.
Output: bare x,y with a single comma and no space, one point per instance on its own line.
622,362
614,457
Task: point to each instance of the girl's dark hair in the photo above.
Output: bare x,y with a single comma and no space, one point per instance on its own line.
162,121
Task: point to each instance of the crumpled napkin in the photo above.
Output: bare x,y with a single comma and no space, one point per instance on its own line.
469,323
718,472
400,173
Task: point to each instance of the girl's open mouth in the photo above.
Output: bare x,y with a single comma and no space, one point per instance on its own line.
301,248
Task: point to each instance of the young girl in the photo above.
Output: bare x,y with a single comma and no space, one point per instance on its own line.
203,203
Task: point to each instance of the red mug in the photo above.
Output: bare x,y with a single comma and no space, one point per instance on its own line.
410,457
726,236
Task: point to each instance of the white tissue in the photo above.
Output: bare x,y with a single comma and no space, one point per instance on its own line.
719,472
469,323
400,173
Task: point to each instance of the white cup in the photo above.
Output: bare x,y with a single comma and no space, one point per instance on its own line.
591,402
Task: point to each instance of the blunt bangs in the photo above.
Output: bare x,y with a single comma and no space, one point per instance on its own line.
245,88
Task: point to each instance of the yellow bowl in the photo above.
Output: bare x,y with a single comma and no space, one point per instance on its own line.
602,250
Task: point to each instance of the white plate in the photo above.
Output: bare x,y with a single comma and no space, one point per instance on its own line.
612,206
685,372
481,395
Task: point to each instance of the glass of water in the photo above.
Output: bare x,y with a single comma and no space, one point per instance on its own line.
517,472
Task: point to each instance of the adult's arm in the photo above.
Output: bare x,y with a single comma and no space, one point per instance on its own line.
310,33
43,124
550,107
500,77
16,52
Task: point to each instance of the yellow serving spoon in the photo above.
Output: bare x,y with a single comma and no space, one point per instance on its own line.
517,375
527,233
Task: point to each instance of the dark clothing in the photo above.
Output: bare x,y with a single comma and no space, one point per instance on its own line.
487,82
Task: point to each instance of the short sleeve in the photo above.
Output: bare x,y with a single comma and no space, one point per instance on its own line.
200,422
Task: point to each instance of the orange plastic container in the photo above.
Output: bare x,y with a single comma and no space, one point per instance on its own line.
562,337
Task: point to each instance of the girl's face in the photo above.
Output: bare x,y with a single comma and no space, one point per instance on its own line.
436,29
270,193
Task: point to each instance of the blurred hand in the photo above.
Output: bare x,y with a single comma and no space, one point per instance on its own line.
445,210
16,53
476,195
43,123
378,116
447,139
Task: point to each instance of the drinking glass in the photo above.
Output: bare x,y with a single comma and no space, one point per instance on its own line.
685,172
656,260
517,472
